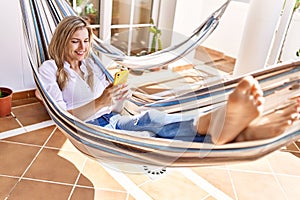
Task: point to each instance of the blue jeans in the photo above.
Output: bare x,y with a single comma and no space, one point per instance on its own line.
163,125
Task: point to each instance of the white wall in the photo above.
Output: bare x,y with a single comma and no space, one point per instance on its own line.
14,68
229,34
292,43
226,38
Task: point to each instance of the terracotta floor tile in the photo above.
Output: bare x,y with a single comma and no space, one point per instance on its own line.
173,186
290,185
110,195
84,181
292,147
138,179
27,114
297,154
131,198
98,177
284,163
209,198
203,54
52,167
37,137
6,184
59,140
260,165
15,158
136,173
224,65
83,193
35,190
56,140
8,123
92,194
297,143
218,177
251,186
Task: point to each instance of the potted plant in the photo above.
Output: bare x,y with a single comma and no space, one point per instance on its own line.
156,38
5,101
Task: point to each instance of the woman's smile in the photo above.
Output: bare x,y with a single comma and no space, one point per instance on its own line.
77,46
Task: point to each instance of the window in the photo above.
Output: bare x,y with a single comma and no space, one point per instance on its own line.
130,25
125,23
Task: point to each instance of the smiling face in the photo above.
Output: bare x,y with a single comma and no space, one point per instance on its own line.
77,47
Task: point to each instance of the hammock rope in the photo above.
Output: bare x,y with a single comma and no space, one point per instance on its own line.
129,146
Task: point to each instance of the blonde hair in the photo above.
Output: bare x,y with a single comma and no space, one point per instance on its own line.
56,50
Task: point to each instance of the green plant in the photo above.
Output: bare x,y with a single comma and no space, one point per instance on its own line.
156,37
0,93
297,5
78,2
298,53
89,9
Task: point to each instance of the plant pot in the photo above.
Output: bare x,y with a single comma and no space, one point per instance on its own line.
5,101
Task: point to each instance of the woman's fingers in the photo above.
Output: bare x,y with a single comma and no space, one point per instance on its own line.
121,92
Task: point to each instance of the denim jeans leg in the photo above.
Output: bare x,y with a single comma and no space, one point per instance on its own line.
151,120
162,124
104,121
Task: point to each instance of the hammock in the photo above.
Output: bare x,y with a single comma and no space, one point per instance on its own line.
39,21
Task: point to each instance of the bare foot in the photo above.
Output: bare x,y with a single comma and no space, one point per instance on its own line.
272,124
243,106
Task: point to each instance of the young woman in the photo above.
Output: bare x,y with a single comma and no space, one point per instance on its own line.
80,87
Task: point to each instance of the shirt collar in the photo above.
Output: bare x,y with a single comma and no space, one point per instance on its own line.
82,67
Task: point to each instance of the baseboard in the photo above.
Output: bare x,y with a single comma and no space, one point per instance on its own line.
23,95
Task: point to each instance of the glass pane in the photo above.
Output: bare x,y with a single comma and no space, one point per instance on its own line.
119,38
142,11
88,9
139,43
121,12
140,40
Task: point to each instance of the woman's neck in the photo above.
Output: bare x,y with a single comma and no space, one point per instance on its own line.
76,68
75,65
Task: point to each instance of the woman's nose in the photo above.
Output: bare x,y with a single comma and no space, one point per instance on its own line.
81,45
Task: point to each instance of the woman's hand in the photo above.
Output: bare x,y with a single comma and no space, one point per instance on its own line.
120,94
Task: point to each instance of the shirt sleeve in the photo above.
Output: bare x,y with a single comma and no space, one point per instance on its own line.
47,72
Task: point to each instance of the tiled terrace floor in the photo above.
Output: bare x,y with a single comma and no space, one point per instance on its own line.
37,162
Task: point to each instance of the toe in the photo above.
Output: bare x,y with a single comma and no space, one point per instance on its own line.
245,85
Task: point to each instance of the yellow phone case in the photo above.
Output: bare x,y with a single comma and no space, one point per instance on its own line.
121,77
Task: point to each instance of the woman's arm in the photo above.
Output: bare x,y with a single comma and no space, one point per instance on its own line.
85,111
113,97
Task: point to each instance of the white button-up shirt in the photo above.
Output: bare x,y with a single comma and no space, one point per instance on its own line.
77,92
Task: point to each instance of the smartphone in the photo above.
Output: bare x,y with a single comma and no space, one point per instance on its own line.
121,77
